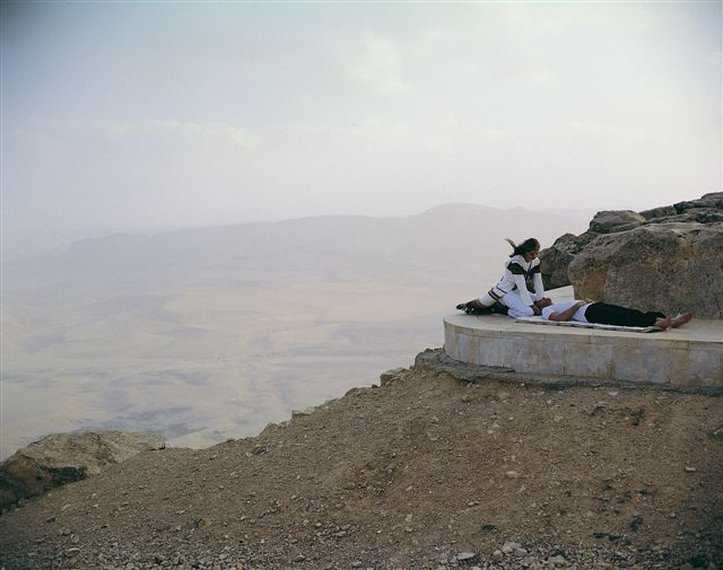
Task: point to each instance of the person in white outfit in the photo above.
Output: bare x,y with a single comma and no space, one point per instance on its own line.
608,314
522,271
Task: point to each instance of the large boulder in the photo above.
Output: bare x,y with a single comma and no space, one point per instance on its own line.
670,267
666,258
61,458
610,221
555,259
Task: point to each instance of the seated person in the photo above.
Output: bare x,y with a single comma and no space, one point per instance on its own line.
519,289
607,314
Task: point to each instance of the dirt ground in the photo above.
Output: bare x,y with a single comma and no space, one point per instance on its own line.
424,472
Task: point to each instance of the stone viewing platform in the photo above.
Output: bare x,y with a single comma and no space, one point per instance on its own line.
688,357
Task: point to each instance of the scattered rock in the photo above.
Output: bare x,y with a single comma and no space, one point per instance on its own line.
390,376
487,527
467,557
717,434
61,458
303,412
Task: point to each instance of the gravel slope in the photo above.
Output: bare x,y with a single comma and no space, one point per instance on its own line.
425,472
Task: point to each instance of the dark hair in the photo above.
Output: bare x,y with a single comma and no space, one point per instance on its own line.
530,244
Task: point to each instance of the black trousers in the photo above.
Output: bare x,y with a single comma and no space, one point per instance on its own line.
606,314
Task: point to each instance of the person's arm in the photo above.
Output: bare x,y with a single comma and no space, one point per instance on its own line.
567,314
522,288
537,281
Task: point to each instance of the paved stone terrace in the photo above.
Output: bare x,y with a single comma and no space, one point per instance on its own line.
691,356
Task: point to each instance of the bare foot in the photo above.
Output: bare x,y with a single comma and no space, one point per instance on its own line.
680,320
664,324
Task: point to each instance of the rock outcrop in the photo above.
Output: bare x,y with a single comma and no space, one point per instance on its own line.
58,459
668,258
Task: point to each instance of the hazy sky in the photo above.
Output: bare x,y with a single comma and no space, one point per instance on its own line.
160,113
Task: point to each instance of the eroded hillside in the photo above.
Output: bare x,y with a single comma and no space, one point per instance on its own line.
426,471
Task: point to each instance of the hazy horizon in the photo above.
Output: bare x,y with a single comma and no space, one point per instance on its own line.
173,115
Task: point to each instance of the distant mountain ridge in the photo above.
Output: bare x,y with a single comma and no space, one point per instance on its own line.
443,239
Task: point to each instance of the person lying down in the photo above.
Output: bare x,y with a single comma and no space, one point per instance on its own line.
604,314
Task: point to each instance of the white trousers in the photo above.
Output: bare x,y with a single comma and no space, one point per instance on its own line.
492,296
516,305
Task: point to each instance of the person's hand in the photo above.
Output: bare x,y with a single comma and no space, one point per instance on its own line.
535,309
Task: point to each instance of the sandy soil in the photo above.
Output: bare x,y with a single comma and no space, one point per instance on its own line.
424,472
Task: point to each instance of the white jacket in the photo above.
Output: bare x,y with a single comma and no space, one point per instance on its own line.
515,278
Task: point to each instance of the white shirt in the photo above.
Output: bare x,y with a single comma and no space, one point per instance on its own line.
563,306
517,269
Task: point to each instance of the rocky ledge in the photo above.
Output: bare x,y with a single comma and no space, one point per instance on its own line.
668,258
62,458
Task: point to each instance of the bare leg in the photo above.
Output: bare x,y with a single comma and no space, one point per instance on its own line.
680,320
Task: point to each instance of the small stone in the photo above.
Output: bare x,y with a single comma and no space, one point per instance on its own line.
487,527
356,564
510,547
466,557
498,554
558,560
690,469
390,376
512,474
